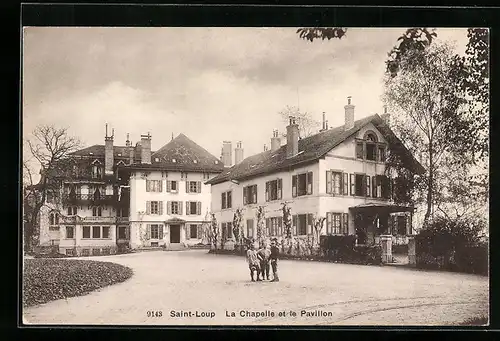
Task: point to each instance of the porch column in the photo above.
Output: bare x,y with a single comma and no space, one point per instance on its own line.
386,243
412,259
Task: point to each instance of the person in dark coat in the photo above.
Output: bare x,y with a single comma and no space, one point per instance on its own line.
253,262
274,260
264,253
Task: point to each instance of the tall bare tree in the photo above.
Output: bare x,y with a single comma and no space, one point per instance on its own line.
47,150
307,124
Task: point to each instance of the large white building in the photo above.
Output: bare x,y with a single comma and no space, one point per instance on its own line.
169,200
338,174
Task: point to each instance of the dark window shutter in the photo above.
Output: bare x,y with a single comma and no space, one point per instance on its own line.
148,186
245,190
268,226
148,232
345,182
198,186
280,188
188,231
328,182
180,207
345,223
294,185
363,185
188,211
229,200
161,186
160,232
328,222
254,194
148,207
267,191
169,207
169,186
310,224
198,232
368,187
223,200
198,208
160,207
187,186
353,184
374,186
309,182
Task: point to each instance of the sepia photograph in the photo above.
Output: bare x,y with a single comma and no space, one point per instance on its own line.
255,176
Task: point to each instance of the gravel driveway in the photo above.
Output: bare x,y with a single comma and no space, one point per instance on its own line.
211,288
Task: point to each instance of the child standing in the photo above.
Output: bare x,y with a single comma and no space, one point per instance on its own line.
253,262
264,253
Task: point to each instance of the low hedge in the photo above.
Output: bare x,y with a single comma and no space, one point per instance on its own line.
45,280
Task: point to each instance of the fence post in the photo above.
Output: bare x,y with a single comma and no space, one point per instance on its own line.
412,258
386,242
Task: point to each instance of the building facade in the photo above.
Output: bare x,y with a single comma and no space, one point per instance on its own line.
115,197
339,174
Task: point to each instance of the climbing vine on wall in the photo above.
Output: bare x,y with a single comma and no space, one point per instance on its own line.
261,221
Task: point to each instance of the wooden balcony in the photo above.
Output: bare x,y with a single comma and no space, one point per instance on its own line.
89,199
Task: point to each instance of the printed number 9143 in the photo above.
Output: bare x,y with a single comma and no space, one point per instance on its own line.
154,313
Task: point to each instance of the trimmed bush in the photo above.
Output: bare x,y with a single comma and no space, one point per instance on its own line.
46,280
453,246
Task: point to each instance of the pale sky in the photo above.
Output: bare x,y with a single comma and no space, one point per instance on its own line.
212,84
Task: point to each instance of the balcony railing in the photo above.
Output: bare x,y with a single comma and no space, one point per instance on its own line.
90,198
75,219
122,219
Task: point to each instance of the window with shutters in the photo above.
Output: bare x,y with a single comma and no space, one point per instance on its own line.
193,231
226,200
172,186
302,184
352,181
193,207
86,232
223,228
250,195
334,223
175,207
153,185
274,190
250,228
154,231
154,207
334,183
368,186
97,211
72,210
275,226
193,186
97,172
184,175
345,183
70,232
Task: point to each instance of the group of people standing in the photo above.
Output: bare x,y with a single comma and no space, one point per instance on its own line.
258,261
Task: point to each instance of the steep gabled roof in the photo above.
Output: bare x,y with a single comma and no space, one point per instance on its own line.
310,150
188,156
98,150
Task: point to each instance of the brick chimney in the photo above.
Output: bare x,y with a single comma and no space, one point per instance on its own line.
227,153
349,114
325,123
292,138
146,148
108,153
238,153
275,141
129,150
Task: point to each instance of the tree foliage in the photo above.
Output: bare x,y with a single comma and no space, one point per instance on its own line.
423,100
313,33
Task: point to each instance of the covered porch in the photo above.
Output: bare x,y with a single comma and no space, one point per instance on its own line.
373,220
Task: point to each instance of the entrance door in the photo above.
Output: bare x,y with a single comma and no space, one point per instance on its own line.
175,233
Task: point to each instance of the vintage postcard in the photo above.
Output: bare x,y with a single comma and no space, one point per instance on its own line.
255,176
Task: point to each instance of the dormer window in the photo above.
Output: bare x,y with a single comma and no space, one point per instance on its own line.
369,148
173,160
157,159
195,161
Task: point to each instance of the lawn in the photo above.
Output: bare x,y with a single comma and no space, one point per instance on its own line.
46,280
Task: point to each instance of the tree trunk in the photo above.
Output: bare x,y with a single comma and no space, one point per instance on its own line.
430,185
